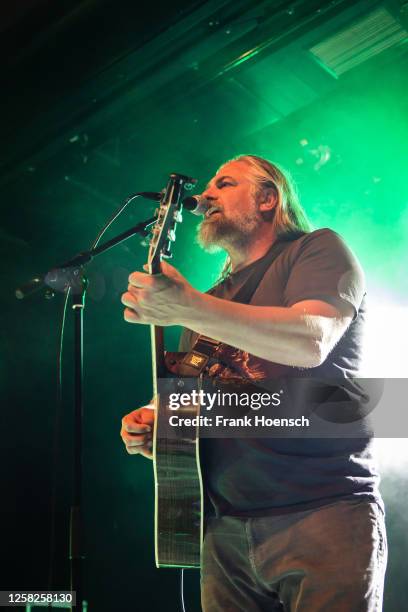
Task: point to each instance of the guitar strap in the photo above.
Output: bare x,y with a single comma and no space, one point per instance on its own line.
203,353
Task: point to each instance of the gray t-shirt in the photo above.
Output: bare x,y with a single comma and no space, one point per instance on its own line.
255,476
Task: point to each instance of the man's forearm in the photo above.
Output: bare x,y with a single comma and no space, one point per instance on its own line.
281,335
302,335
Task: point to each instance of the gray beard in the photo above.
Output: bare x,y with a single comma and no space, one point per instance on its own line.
226,234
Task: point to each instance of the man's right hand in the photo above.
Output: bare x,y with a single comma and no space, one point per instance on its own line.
137,431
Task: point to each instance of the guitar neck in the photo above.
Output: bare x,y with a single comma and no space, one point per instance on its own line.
158,362
163,235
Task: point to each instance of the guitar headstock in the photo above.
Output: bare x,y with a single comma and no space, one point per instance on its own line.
168,215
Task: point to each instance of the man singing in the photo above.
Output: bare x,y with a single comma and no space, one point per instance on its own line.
295,525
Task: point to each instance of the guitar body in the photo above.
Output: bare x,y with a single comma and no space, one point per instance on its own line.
178,487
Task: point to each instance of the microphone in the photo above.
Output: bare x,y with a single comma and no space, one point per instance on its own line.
196,204
149,195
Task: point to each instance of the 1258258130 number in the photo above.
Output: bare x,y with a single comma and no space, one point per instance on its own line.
17,598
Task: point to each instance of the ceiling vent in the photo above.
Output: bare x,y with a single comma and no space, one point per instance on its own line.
359,42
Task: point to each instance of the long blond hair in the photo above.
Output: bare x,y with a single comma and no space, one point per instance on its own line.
288,218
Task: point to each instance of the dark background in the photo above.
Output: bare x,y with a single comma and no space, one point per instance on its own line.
101,99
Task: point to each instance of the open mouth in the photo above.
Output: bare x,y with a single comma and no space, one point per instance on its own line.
213,210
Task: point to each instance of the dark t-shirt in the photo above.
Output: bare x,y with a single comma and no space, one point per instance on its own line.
255,476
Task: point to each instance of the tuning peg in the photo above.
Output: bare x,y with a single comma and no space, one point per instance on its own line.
166,253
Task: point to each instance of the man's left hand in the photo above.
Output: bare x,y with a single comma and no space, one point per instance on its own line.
158,299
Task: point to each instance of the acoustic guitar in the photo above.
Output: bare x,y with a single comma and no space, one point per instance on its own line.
177,476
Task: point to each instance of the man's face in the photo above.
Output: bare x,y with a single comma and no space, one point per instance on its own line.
233,216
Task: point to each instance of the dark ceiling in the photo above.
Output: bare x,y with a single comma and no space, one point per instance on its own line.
87,67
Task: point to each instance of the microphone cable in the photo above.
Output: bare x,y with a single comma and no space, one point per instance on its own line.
182,590
113,218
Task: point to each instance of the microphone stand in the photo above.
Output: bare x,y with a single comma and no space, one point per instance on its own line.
70,276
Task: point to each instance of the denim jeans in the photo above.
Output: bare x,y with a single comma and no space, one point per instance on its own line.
330,559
